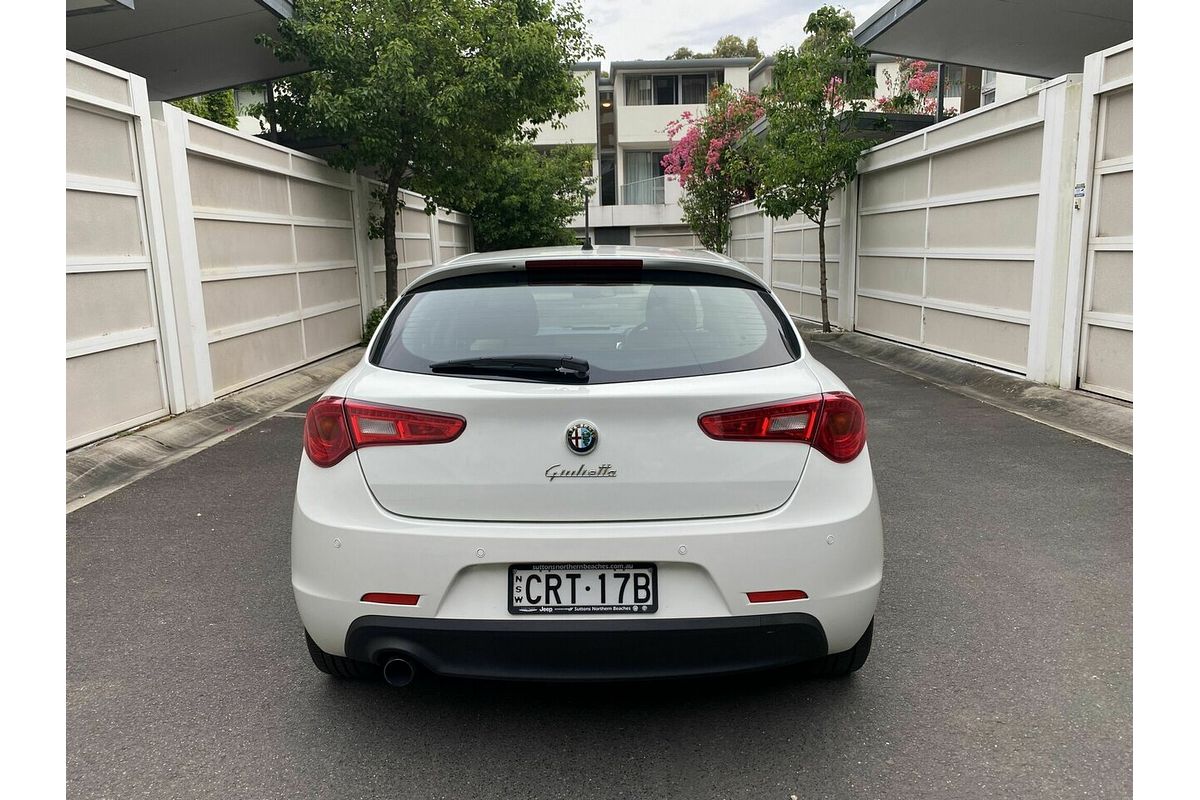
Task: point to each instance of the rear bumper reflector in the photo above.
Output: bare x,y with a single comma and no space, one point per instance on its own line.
391,598
776,596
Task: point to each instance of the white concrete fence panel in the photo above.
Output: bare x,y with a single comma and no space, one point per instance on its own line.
746,235
1101,279
679,237
948,232
249,260
267,239
1003,236
117,355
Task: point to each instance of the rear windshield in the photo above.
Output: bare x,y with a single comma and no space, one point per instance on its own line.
641,326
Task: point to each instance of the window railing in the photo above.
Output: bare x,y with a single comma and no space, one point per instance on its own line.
647,192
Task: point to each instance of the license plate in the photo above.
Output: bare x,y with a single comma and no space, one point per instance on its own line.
582,589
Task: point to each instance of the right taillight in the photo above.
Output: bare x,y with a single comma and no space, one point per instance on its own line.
842,429
335,427
833,422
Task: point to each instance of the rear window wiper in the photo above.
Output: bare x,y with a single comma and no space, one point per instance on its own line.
524,366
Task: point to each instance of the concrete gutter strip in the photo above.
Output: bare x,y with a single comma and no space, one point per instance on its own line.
1107,422
101,468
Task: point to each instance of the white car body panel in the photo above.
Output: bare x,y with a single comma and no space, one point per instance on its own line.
718,518
826,540
658,462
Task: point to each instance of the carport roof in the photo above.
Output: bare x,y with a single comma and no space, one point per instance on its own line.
183,47
1039,38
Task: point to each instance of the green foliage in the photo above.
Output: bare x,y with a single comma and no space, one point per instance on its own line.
811,150
714,161
373,320
216,106
727,47
524,197
733,47
425,91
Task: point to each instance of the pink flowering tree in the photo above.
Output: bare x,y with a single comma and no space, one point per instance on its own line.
714,165
913,90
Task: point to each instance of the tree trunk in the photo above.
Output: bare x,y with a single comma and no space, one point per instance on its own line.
824,284
391,260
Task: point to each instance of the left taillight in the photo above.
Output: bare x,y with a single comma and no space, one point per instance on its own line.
334,427
326,435
833,422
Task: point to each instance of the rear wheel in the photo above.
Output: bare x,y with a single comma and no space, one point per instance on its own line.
839,665
339,666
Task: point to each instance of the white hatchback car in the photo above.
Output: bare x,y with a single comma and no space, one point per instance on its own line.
560,464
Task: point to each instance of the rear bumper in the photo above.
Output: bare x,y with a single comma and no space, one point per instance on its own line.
583,650
826,541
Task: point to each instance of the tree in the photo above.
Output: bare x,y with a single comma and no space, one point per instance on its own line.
912,91
425,91
524,198
733,47
215,106
714,162
727,47
810,150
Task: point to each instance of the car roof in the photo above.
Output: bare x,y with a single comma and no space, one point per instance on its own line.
668,258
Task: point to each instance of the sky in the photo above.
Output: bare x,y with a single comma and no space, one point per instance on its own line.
653,29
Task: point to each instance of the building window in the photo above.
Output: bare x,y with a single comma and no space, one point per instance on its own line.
665,90
639,91
952,74
869,89
669,90
695,89
608,179
643,177
987,94
608,122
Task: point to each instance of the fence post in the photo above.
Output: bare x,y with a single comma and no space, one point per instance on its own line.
848,257
183,258
435,240
1080,224
768,249
1052,256
156,229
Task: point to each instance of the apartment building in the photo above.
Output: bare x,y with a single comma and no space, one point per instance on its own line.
624,118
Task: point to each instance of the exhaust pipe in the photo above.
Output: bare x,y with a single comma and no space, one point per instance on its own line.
399,672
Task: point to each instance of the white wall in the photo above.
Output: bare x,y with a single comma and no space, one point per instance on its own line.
1100,283
201,260
738,77
121,352
580,126
948,226
1003,236
1011,87
762,80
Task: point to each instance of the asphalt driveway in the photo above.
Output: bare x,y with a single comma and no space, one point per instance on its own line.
1001,665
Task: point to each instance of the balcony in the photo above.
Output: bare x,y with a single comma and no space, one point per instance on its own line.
647,192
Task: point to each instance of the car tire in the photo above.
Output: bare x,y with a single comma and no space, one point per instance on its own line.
340,667
840,665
